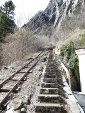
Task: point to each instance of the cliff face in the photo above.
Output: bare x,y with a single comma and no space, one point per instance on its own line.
55,16
46,17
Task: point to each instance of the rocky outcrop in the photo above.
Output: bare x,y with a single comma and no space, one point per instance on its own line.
53,16
46,17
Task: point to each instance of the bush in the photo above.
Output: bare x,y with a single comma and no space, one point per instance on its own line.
80,41
20,44
67,51
73,61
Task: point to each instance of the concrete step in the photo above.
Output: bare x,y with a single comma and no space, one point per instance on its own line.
48,104
49,85
50,99
50,72
50,80
49,88
53,91
49,95
49,108
49,91
55,83
50,75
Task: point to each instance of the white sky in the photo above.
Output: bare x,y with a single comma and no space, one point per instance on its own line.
25,9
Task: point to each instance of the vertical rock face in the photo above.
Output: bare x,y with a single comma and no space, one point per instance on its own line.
54,14
46,17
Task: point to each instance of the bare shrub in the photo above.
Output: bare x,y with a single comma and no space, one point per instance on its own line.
21,44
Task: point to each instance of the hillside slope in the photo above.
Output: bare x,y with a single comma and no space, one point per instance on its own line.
60,18
57,22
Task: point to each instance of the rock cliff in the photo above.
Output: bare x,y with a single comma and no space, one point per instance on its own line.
56,16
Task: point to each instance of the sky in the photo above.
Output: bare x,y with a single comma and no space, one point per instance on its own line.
26,9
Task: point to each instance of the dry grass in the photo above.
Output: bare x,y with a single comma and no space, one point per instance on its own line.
21,44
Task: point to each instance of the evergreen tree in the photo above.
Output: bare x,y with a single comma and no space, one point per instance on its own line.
7,23
8,9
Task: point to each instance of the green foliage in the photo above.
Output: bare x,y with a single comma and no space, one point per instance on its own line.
73,61
6,19
8,9
67,51
78,7
82,26
80,41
